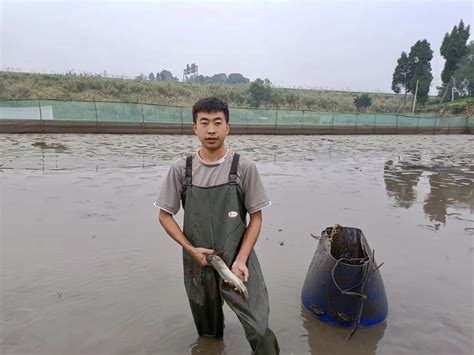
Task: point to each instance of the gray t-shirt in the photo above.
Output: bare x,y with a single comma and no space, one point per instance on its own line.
213,174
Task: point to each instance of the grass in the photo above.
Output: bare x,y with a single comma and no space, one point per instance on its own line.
459,106
14,86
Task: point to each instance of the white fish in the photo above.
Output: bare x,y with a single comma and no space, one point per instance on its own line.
223,270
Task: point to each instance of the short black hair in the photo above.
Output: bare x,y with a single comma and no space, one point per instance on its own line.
210,104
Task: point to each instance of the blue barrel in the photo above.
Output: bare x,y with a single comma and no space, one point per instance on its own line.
343,285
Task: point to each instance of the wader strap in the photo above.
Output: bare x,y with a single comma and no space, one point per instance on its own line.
233,170
188,180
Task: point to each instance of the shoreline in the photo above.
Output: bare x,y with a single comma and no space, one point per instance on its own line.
91,127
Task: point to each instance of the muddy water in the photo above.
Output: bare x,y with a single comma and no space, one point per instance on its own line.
86,268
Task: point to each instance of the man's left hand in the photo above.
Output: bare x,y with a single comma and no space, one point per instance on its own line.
240,270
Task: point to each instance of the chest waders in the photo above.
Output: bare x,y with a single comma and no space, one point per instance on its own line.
215,218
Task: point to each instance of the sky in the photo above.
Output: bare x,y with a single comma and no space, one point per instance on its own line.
339,45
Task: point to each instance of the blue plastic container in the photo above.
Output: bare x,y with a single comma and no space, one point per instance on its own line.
343,285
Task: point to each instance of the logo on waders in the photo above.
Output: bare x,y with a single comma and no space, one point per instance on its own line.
233,214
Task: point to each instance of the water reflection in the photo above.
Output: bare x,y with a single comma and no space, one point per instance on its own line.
449,185
445,192
401,184
209,346
324,338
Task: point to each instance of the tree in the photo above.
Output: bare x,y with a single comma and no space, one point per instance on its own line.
412,68
151,76
453,48
464,75
237,79
419,69
259,92
218,79
166,75
222,78
292,99
362,102
401,75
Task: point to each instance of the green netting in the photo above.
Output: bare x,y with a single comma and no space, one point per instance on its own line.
443,122
27,109
386,120
129,112
341,119
327,118
253,117
471,122
71,110
404,121
426,114
289,118
163,114
458,121
117,112
187,115
365,120
426,122
314,118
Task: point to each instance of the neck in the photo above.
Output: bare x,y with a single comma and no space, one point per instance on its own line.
211,156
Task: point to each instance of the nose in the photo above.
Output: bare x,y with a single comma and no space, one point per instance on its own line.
211,129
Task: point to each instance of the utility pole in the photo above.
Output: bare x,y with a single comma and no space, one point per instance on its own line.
414,100
446,89
452,91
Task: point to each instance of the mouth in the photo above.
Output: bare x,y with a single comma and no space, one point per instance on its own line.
211,140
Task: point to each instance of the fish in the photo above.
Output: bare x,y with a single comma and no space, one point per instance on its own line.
227,275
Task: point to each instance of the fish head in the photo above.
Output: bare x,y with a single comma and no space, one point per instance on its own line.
210,258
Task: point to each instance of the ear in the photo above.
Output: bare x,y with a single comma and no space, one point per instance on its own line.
194,128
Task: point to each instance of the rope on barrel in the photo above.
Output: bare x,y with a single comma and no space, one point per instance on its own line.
336,228
362,297
365,262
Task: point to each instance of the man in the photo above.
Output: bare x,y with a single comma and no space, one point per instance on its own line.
218,188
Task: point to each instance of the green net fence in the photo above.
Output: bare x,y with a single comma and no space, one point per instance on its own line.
116,112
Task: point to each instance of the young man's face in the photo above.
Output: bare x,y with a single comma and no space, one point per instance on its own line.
211,129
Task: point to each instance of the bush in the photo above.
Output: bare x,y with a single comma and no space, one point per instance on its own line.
362,102
259,92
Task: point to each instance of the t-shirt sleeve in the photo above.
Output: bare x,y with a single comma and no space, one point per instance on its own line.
255,195
170,194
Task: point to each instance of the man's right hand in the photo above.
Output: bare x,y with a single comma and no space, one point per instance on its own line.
199,255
